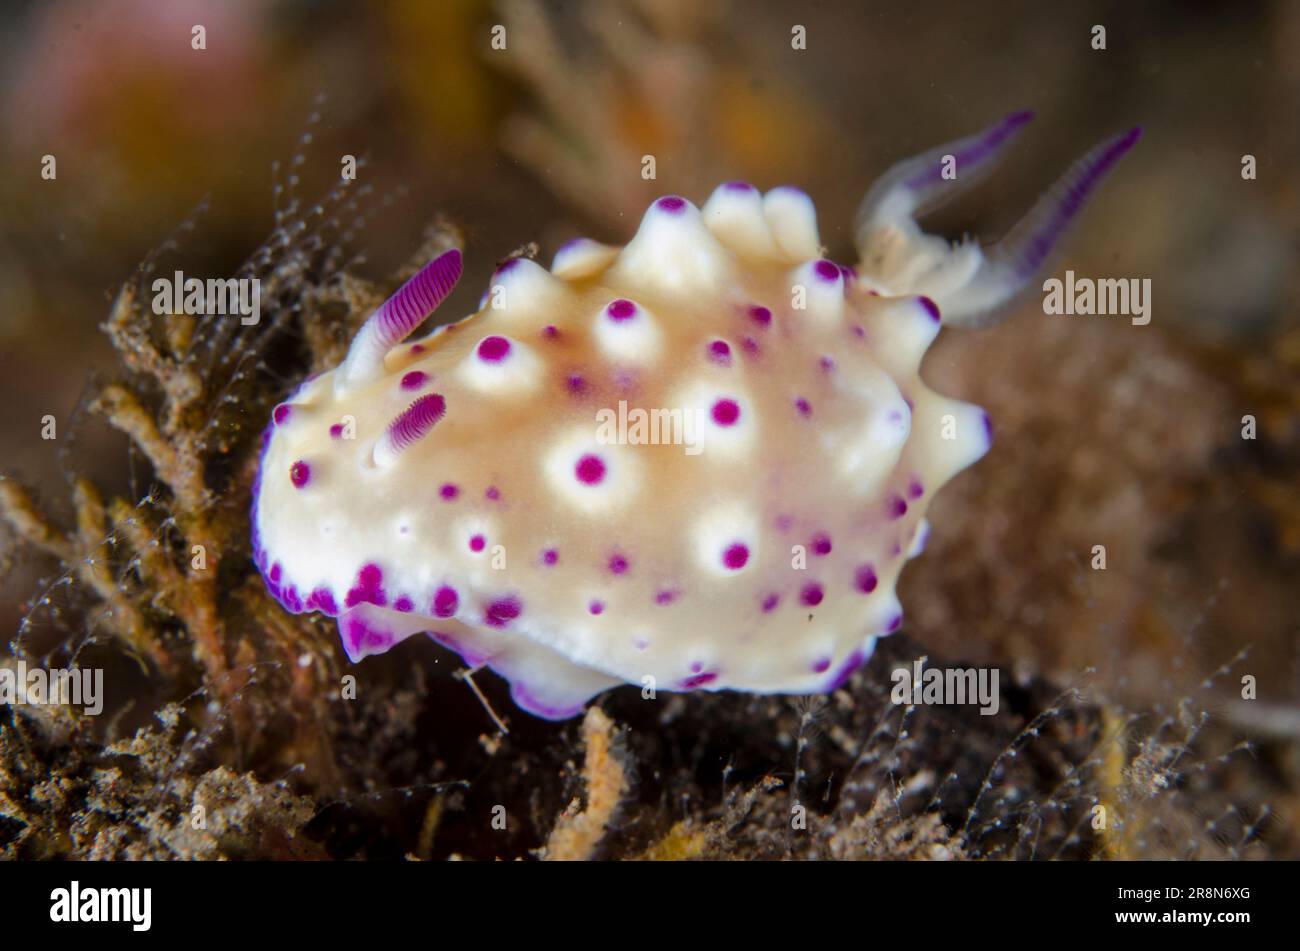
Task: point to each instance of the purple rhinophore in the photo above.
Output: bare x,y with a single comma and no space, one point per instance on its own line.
416,420
417,298
970,153
1031,241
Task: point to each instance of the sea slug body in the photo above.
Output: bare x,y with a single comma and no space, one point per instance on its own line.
462,487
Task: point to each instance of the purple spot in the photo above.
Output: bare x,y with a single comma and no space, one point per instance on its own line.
894,623
550,331
502,611
988,427
821,665
493,349
665,597
895,507
826,363
276,572
760,315
931,308
812,594
449,491
621,309
726,412
299,474
770,602
618,564
858,331
720,352
323,598
590,470
803,406
739,187
750,346
596,607
865,579
784,522
821,544
336,431
403,604
282,413
736,556
914,489
476,543
576,384
507,266
671,204
414,380
847,669
492,494
369,588
445,601
550,556
827,270
417,348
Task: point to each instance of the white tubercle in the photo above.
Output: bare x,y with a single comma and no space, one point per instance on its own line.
793,220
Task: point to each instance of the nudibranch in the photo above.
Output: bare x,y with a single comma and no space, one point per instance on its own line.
470,485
